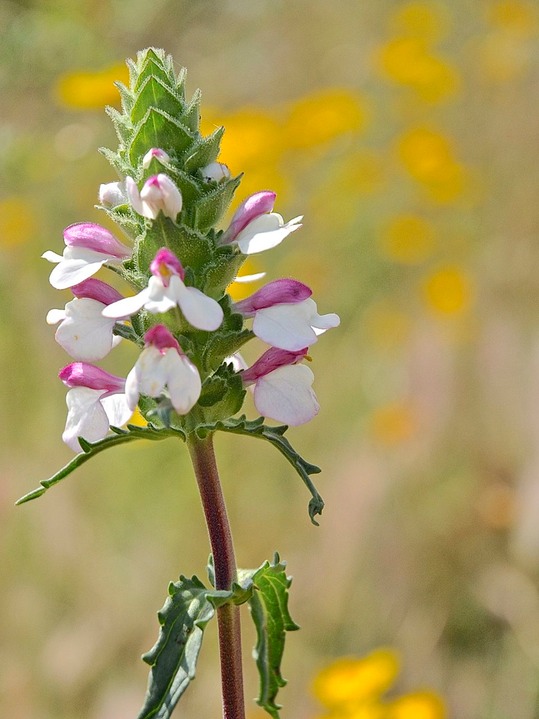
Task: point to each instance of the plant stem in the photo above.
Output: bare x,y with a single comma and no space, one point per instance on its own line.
228,616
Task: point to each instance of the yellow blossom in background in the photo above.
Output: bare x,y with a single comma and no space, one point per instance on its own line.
91,90
408,239
448,290
137,419
352,680
323,116
18,224
408,61
428,157
420,19
417,705
394,423
517,16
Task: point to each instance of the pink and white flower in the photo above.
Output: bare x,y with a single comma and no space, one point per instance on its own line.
158,194
215,172
255,228
155,153
163,366
83,331
95,401
285,316
88,248
166,290
283,388
112,194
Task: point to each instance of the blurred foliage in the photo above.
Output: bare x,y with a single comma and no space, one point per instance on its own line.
418,181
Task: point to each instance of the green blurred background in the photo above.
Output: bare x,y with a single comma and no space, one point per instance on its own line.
407,134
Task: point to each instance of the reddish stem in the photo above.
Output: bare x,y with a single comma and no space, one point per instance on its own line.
228,616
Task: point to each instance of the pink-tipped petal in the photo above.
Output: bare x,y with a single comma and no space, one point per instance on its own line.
255,205
96,290
96,238
282,291
271,360
82,374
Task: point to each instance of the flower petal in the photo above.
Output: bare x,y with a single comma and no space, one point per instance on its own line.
70,272
265,232
183,381
84,333
85,417
286,395
126,307
199,310
117,410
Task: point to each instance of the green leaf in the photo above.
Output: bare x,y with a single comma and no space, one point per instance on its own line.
158,129
274,435
212,206
121,436
204,151
155,93
187,610
269,610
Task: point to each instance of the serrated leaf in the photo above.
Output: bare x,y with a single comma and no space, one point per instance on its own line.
90,450
269,610
192,112
158,129
206,150
275,435
155,93
213,205
150,63
186,612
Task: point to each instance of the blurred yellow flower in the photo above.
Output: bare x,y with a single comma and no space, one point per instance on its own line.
502,57
448,290
407,61
324,115
18,223
428,157
408,239
394,423
137,419
352,680
516,16
417,705
90,90
422,19
252,137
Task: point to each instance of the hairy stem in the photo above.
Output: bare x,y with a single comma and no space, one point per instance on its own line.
228,616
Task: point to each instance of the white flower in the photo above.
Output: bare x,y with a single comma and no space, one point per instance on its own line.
158,194
215,172
95,401
112,194
166,290
292,326
162,365
282,388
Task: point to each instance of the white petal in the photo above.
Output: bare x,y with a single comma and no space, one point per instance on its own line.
199,310
52,256
85,417
70,272
250,278
55,316
160,298
265,232
117,410
126,307
183,381
84,333
285,326
148,376
286,395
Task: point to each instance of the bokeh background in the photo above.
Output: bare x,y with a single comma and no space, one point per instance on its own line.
407,133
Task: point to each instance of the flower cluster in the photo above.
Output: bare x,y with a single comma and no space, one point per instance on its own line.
179,266
175,320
